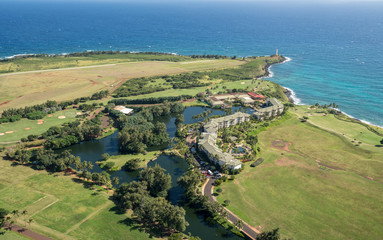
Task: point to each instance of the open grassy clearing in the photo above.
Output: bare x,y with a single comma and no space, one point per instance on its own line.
26,127
120,160
349,129
58,205
306,201
44,63
216,87
18,90
109,225
9,235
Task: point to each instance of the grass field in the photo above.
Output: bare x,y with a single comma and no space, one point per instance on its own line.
215,87
307,201
20,130
61,208
21,89
44,63
13,236
120,160
355,132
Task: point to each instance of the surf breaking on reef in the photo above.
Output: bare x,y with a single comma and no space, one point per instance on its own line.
291,95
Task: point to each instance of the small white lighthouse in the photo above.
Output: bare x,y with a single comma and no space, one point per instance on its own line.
276,52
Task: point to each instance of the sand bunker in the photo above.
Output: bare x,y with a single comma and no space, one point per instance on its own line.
50,115
1,134
79,113
27,128
281,145
61,117
9,132
242,83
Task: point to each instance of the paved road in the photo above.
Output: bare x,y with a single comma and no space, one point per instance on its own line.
247,229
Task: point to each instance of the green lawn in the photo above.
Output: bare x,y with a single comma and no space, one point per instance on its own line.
60,207
20,131
120,160
216,87
349,129
107,225
292,192
13,236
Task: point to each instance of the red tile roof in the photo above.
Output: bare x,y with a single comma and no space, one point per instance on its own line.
256,95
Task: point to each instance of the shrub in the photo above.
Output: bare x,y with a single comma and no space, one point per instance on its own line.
105,156
226,202
35,115
108,166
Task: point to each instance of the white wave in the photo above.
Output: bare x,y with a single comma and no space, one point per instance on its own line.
271,74
19,55
294,97
360,120
287,60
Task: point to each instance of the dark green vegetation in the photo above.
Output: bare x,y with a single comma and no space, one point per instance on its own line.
253,69
72,133
39,111
152,100
146,198
139,132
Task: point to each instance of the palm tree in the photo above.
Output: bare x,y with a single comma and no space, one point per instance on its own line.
239,224
24,213
15,213
30,221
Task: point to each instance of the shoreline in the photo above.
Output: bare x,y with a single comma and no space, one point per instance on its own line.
291,95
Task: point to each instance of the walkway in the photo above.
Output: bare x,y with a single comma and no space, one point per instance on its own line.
28,233
207,190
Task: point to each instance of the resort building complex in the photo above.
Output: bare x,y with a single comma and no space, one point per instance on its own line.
208,141
273,107
221,99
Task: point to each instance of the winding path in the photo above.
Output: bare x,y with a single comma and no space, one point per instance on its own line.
251,232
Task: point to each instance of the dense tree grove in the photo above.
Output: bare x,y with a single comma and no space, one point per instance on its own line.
152,100
48,159
71,133
31,112
138,132
146,198
157,181
99,95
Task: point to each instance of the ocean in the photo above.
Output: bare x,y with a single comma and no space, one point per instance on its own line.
336,50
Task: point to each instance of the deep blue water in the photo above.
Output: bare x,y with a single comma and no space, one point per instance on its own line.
336,49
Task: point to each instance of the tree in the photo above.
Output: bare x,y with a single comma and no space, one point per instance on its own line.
30,221
105,156
158,182
115,181
129,195
269,235
226,202
132,165
381,141
3,219
109,165
239,224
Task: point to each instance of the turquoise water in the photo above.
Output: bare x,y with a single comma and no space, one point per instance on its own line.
336,49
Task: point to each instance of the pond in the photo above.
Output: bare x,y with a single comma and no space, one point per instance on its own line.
176,167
